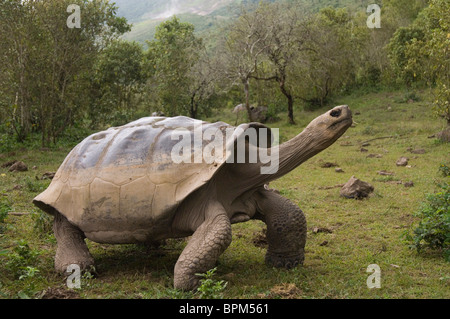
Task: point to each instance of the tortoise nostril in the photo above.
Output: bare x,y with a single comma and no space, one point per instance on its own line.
336,113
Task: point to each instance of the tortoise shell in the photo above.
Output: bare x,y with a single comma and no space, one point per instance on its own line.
122,186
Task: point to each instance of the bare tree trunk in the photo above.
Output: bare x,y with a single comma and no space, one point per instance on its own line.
247,99
290,99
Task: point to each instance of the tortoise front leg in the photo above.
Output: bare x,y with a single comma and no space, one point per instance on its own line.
207,243
286,230
72,249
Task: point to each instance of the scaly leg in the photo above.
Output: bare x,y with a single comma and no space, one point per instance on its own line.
208,242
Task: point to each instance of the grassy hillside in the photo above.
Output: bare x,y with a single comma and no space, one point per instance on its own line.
203,14
358,233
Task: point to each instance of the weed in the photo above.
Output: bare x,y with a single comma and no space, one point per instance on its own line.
43,223
445,170
21,259
210,288
4,209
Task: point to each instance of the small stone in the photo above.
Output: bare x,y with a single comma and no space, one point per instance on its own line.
328,165
374,156
418,151
385,173
324,243
402,161
339,170
409,184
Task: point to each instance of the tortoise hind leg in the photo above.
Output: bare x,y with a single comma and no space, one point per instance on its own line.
72,249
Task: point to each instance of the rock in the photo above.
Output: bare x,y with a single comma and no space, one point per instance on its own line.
364,150
402,161
385,173
8,164
322,230
409,184
418,151
48,175
444,135
328,165
18,167
259,114
324,243
374,156
356,189
339,170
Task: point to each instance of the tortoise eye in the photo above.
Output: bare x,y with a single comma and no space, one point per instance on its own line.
335,113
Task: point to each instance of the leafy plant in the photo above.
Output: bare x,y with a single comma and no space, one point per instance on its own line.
433,230
21,259
210,288
4,209
445,170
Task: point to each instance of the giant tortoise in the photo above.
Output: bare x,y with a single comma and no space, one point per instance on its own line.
123,186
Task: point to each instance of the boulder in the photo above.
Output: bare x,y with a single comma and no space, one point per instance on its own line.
18,167
356,189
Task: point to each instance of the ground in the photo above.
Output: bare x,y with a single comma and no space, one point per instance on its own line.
345,236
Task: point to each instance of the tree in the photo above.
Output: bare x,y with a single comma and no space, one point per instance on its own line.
118,78
422,51
330,64
171,62
241,51
285,34
55,61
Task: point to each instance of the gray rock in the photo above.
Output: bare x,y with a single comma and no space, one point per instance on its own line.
356,189
402,161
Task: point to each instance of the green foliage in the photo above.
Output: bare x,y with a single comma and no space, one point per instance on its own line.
422,51
46,66
21,260
210,288
43,223
444,170
4,209
117,81
433,230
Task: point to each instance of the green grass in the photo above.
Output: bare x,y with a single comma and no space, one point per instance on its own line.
364,232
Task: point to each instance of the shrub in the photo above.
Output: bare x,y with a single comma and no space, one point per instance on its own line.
21,260
433,230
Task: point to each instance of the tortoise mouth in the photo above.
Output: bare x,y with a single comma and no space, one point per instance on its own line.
287,261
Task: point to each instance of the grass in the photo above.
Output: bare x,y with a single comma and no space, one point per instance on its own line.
363,232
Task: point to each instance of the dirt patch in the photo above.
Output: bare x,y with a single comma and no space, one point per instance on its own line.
260,239
285,291
59,293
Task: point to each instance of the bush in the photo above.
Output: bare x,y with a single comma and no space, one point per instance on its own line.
433,230
21,260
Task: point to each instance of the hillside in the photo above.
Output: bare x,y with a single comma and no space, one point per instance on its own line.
145,15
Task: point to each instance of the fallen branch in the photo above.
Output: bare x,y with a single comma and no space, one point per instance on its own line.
377,138
18,213
331,187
